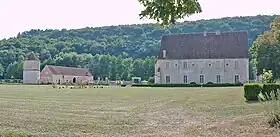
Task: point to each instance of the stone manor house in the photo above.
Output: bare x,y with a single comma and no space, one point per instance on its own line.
203,57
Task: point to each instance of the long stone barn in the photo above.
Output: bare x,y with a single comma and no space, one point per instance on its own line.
62,75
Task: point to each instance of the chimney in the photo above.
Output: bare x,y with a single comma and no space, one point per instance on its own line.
205,33
217,32
164,53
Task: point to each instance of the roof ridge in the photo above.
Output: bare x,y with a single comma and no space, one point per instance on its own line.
32,56
209,32
230,44
64,70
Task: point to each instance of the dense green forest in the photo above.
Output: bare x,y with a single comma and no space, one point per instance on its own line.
115,51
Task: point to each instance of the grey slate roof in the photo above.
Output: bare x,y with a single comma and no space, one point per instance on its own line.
209,46
61,70
32,56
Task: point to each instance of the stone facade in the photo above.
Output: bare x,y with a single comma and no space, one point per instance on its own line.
202,71
203,57
31,70
63,75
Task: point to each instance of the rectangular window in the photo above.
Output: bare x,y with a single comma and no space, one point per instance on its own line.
236,78
218,78
201,78
167,65
235,64
185,65
185,79
167,79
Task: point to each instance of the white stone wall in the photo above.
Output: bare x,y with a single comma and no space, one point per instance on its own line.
31,65
31,77
31,72
226,68
79,79
46,76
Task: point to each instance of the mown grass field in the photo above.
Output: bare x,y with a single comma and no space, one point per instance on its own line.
190,112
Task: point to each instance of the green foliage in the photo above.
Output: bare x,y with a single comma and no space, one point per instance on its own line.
252,91
272,106
267,76
113,51
265,50
168,11
151,80
269,89
186,85
222,85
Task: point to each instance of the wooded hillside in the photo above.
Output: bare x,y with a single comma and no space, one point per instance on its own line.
115,51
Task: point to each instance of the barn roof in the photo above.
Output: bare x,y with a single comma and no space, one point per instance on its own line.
209,45
61,70
32,56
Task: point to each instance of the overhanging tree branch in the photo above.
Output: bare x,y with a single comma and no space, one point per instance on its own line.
168,11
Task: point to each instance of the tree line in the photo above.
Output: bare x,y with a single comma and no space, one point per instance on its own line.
133,48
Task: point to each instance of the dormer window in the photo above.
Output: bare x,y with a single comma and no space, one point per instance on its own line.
164,53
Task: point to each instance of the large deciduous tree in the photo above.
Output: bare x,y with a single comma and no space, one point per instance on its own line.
168,11
265,50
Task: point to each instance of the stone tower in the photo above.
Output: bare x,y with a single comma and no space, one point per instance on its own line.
31,69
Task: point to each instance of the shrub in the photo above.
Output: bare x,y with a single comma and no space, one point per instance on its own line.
123,85
176,85
252,91
151,80
209,83
269,89
222,85
186,85
192,83
272,106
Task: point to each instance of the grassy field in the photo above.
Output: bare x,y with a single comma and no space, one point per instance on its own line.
190,112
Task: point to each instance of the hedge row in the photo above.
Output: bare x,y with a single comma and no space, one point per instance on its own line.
253,91
187,85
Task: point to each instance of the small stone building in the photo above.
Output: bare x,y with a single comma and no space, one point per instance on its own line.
63,75
31,69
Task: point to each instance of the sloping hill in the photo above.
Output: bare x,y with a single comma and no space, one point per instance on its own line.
115,51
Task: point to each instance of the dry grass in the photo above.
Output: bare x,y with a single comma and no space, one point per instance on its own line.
191,112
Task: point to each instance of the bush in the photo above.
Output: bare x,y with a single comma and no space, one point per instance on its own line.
269,89
252,91
192,83
209,83
272,106
223,85
176,85
151,80
186,85
123,85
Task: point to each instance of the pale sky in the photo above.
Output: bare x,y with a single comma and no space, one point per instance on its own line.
22,15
